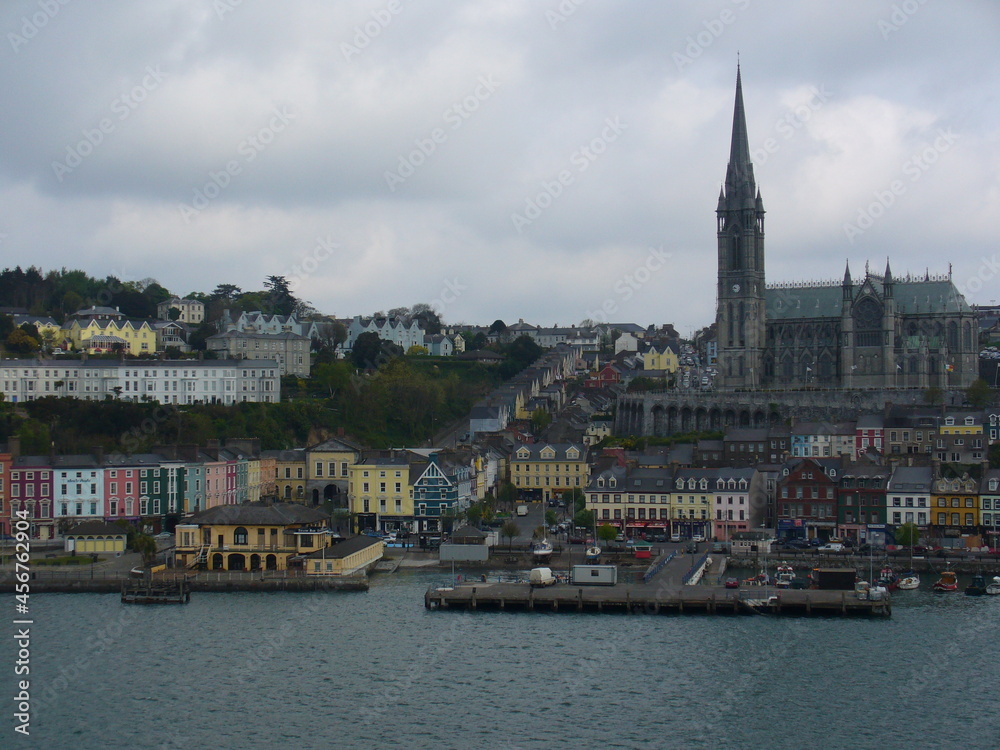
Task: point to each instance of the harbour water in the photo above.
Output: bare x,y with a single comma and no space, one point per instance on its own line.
375,669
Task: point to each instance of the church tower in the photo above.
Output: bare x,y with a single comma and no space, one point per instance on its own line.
740,313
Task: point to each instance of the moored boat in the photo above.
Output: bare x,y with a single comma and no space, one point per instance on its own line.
785,576
542,550
593,554
909,581
994,588
888,579
977,587
947,582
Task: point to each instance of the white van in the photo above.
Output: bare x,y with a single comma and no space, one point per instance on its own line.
522,510
541,577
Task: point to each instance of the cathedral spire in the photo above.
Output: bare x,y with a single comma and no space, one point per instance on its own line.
847,274
740,188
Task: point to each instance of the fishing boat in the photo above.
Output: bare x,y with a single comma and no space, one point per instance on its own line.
994,588
761,579
909,581
888,579
785,576
977,587
593,554
947,582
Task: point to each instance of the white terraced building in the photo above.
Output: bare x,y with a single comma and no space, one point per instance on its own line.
188,381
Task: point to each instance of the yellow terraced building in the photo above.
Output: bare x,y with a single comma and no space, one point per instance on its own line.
544,471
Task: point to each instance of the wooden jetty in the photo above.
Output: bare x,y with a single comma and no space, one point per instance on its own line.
652,599
156,592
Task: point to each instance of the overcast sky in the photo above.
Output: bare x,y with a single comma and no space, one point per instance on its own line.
544,160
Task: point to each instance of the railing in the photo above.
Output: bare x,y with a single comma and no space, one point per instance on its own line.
695,569
657,567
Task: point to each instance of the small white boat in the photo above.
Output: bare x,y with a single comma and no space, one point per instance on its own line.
542,550
994,588
909,582
785,576
593,554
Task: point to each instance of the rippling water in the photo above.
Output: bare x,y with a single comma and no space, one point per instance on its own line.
376,669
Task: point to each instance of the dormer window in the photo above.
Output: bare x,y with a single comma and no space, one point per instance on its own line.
704,484
970,420
612,482
680,484
600,481
949,420
993,485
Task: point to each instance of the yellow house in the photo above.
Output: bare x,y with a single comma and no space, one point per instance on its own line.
327,471
289,474
955,504
543,471
344,558
139,338
95,536
655,359
252,536
380,491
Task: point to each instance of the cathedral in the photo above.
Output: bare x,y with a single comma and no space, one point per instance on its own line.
876,331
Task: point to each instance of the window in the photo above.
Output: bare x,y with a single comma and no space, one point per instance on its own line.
241,536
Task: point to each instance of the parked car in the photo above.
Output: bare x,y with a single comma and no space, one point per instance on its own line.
675,537
831,547
732,583
698,538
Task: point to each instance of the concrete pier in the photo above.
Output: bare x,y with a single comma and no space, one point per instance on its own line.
646,599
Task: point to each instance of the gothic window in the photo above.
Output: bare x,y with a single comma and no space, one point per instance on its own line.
968,336
736,248
952,335
868,323
741,325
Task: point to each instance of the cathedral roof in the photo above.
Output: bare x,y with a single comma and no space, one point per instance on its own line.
791,302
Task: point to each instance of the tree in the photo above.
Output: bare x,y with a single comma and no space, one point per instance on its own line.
574,499
416,350
226,292
510,530
908,534
174,314
540,419
428,318
584,519
21,342
607,533
280,300
550,518
498,326
145,545
979,394
367,351
474,514
507,495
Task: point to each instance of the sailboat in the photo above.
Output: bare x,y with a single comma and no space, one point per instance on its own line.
909,580
994,588
541,551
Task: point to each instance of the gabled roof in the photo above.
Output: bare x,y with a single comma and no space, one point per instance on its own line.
96,528
345,548
260,514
